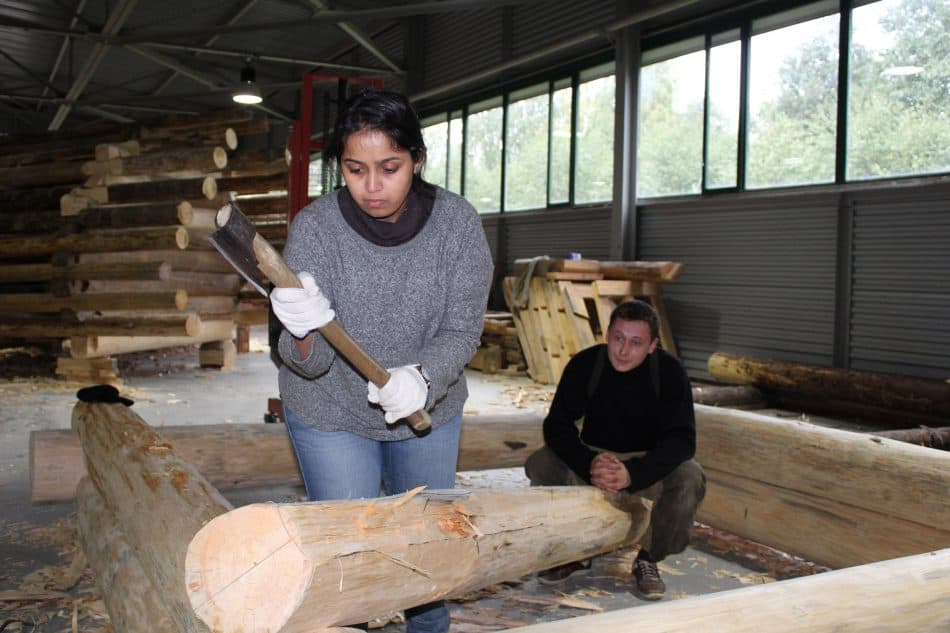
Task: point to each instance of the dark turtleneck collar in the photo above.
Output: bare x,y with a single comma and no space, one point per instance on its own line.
418,209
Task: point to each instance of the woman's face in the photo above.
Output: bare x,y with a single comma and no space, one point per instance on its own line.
378,174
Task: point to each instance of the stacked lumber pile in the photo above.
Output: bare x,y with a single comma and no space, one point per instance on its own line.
561,306
500,350
105,239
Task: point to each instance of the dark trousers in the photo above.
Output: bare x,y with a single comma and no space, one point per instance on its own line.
675,499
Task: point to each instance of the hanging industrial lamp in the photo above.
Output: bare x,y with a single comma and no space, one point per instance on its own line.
248,92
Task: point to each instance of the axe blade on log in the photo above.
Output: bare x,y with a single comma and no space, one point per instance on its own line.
238,241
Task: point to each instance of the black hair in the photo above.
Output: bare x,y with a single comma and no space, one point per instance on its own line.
637,310
387,112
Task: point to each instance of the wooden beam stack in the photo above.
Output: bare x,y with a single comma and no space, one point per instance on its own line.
561,306
499,350
123,264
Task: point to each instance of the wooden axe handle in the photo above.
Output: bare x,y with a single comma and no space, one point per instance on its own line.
276,269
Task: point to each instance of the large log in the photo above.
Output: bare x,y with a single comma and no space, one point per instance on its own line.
163,190
130,598
101,241
184,324
836,497
99,346
905,594
889,391
236,456
54,173
195,284
196,162
242,185
180,261
155,270
299,567
182,213
925,436
159,500
165,300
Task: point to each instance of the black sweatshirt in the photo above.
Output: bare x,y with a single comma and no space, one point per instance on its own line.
623,415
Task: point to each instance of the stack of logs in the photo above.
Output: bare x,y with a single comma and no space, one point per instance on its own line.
561,306
499,350
104,243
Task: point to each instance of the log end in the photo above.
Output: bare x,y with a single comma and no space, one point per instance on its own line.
220,157
209,187
230,139
244,571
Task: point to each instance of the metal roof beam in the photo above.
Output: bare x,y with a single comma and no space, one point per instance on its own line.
360,38
116,19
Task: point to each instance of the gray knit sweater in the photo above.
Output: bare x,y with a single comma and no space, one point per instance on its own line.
419,302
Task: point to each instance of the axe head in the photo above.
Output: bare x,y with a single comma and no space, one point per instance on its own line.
234,239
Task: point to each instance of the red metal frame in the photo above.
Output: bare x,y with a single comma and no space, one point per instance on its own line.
301,142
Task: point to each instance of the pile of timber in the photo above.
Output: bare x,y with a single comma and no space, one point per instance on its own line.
197,564
895,400
107,251
835,496
499,350
561,306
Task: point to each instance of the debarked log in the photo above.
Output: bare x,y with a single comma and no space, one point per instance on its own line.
237,456
130,598
902,594
299,567
159,500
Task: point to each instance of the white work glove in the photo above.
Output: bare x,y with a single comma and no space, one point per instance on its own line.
301,310
404,394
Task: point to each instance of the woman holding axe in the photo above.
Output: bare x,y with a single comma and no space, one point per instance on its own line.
404,267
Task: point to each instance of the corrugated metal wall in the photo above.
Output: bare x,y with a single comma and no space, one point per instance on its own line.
556,233
759,276
900,284
535,27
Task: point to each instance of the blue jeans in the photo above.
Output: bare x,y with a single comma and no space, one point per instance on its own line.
341,465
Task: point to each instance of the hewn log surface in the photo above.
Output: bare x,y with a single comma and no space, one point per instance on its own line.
234,456
904,594
885,390
297,567
835,497
158,498
130,598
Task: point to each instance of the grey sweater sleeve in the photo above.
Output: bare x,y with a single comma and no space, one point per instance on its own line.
420,302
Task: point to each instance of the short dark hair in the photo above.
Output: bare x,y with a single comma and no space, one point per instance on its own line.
388,112
637,310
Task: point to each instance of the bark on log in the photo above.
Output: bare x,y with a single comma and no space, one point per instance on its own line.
37,199
180,261
28,303
297,567
836,497
163,190
905,594
924,436
164,163
155,270
740,396
195,284
237,456
131,600
134,468
889,391
254,184
55,173
146,214
31,221
102,241
180,325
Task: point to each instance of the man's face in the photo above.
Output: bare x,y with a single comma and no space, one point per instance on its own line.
628,344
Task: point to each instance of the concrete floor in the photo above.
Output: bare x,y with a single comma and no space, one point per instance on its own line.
40,592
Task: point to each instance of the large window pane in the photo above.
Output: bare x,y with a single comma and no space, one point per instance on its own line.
670,156
560,167
455,153
436,137
593,181
483,156
898,119
722,119
526,150
793,77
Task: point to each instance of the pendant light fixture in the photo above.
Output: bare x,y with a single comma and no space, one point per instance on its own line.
248,92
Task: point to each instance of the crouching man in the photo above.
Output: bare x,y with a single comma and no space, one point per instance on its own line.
622,420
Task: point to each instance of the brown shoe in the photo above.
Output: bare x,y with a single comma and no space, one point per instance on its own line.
562,572
649,584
